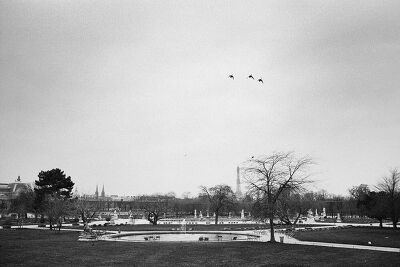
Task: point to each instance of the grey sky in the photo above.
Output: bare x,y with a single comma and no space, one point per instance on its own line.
135,94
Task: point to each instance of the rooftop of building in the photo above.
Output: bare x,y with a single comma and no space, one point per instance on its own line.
11,190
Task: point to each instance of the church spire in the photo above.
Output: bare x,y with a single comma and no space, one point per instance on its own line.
103,194
96,194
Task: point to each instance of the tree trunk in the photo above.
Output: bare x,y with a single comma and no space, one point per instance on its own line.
216,217
297,218
83,217
285,219
380,223
22,221
271,224
153,218
287,222
394,217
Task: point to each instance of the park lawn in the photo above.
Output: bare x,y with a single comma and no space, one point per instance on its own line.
381,237
44,248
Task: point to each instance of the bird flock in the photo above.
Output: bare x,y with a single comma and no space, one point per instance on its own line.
248,77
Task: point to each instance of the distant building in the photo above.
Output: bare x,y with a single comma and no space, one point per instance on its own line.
9,191
96,196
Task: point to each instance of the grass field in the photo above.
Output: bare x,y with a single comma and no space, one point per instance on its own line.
382,237
44,248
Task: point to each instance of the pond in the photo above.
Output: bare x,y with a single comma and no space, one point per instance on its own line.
183,237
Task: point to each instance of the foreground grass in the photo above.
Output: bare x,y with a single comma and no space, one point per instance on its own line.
381,237
44,248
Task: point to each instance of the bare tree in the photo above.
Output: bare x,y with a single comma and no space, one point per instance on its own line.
267,177
391,186
86,209
292,205
56,208
358,196
286,209
23,204
220,197
155,206
358,191
377,206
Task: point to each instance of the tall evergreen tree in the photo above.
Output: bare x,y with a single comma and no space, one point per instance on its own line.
52,194
53,182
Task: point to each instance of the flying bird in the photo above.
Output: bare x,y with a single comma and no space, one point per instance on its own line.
250,77
260,80
231,76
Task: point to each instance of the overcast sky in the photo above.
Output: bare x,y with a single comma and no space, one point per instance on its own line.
135,95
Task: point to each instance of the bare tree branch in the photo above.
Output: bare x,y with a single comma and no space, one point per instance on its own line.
270,176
